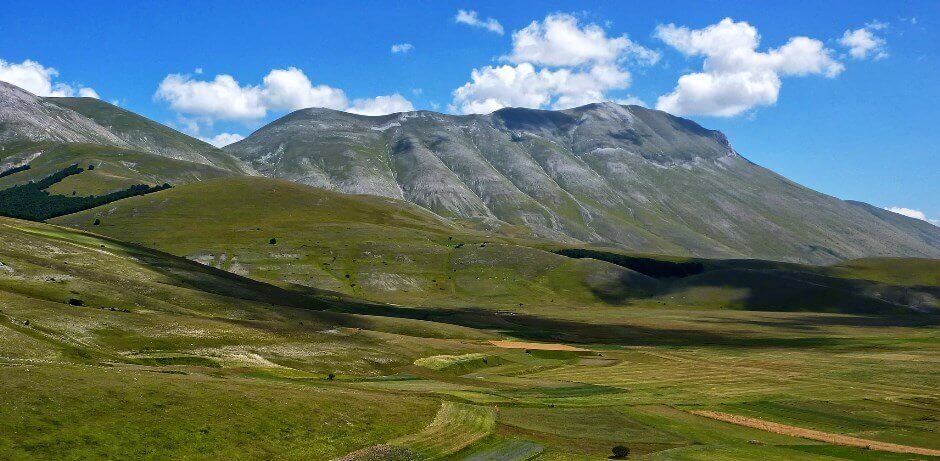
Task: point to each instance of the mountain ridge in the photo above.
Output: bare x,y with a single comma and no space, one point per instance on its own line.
600,174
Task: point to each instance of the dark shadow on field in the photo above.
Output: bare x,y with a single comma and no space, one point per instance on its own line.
765,285
776,290
336,309
536,328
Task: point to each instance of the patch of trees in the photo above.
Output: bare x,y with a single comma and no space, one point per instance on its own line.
646,266
13,170
33,202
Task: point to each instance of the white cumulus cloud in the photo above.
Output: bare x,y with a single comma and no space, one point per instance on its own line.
864,43
223,139
560,40
290,89
402,48
381,105
912,213
556,63
223,98
39,80
470,18
735,76
491,88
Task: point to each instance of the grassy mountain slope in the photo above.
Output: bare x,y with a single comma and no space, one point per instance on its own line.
115,167
147,135
365,246
392,251
603,173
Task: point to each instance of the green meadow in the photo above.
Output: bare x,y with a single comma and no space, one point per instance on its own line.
302,324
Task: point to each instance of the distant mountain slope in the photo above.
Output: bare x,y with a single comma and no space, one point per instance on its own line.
602,173
26,117
148,135
924,230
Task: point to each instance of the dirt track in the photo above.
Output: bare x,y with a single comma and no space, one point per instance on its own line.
537,346
827,437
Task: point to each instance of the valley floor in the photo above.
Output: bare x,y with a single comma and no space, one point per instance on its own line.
111,350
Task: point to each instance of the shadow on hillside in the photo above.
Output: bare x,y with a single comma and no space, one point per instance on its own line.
335,309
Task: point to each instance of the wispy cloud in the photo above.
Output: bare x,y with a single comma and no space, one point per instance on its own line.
402,48
864,43
471,18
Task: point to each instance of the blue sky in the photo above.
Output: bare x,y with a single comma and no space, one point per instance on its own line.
840,96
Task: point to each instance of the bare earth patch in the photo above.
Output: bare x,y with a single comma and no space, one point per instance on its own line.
828,437
537,346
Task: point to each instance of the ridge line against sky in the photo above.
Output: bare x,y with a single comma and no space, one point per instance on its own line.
724,72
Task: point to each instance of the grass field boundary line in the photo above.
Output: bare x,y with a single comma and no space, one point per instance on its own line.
888,390
811,434
897,401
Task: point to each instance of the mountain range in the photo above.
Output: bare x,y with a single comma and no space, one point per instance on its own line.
603,175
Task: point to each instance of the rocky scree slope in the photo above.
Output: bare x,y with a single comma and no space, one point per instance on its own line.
25,117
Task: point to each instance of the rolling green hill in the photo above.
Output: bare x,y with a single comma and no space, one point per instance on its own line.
392,251
115,167
376,248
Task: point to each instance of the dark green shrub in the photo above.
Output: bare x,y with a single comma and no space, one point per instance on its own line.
619,452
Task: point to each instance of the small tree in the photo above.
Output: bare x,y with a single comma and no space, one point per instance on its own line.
91,167
97,222
273,241
620,452
330,376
